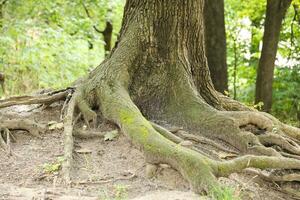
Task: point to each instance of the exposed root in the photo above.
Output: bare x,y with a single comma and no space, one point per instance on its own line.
166,133
161,145
230,104
288,155
184,140
270,133
68,141
64,107
119,108
275,178
47,98
284,143
89,115
203,140
260,162
23,124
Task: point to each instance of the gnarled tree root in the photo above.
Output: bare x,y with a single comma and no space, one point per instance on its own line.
271,133
162,146
8,125
47,98
68,141
23,124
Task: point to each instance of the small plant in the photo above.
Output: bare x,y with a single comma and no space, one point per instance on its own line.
223,193
53,167
258,106
119,192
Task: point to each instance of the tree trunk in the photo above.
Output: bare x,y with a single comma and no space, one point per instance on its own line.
107,35
276,10
215,43
2,77
158,71
107,32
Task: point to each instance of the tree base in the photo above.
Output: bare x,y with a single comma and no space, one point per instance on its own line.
183,150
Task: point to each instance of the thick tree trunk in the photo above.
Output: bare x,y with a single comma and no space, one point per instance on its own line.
276,10
215,43
158,70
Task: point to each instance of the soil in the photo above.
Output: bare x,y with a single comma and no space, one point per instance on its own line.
102,169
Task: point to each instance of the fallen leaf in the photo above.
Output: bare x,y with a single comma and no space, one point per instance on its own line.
111,135
55,125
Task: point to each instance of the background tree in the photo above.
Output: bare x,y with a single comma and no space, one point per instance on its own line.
215,43
276,10
240,27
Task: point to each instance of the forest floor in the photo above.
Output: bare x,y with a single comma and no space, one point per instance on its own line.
112,169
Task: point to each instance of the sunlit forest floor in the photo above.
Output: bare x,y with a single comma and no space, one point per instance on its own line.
111,169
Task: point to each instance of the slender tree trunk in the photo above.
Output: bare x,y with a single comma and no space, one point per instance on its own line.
107,36
215,43
276,10
235,69
107,32
2,77
2,3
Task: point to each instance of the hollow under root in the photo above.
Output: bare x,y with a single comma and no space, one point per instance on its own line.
5,140
30,126
269,133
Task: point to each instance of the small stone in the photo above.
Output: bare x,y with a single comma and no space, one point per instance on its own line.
186,143
83,151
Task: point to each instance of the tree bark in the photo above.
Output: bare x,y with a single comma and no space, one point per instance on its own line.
276,10
215,43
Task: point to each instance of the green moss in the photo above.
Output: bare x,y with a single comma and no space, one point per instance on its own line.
126,117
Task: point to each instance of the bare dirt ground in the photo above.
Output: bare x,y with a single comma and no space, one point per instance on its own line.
103,169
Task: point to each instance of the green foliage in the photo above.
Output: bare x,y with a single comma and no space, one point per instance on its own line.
244,26
47,44
53,167
286,98
119,192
